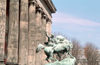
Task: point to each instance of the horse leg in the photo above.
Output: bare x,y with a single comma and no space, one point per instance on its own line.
47,59
58,55
63,52
51,57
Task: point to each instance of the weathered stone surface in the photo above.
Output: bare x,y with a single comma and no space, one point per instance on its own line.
2,29
44,28
32,33
48,27
23,39
12,55
44,17
38,36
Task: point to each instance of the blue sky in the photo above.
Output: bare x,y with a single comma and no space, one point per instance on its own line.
78,19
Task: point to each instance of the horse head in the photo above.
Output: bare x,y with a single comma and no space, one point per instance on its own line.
39,47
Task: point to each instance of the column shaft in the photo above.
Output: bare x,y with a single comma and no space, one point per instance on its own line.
32,33
50,27
38,37
12,55
47,29
23,42
43,38
43,29
2,29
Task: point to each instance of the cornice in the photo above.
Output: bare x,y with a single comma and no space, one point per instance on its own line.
50,5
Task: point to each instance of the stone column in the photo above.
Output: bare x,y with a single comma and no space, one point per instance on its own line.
44,17
32,33
2,29
12,51
38,35
48,28
23,37
50,22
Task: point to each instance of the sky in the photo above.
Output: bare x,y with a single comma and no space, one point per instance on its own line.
78,19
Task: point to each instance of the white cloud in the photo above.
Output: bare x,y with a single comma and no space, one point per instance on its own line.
71,22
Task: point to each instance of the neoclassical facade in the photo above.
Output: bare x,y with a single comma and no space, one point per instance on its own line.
22,28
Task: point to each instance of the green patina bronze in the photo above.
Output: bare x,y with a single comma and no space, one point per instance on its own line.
57,45
66,61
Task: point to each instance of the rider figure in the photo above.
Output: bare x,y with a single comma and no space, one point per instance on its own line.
58,40
50,40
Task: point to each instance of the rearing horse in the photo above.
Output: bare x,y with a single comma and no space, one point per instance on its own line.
64,47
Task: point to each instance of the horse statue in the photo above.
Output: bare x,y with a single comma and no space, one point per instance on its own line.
62,45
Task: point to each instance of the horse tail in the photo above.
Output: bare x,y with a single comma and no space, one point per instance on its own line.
39,48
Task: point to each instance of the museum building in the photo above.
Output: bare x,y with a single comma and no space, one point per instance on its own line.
22,28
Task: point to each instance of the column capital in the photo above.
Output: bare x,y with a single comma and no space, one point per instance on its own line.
44,16
32,1
39,9
49,21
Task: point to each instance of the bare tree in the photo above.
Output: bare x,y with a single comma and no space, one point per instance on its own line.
91,53
76,49
99,57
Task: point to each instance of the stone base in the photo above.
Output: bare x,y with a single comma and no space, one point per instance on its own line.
66,61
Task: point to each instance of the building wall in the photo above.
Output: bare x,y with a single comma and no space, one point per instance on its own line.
82,59
22,25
